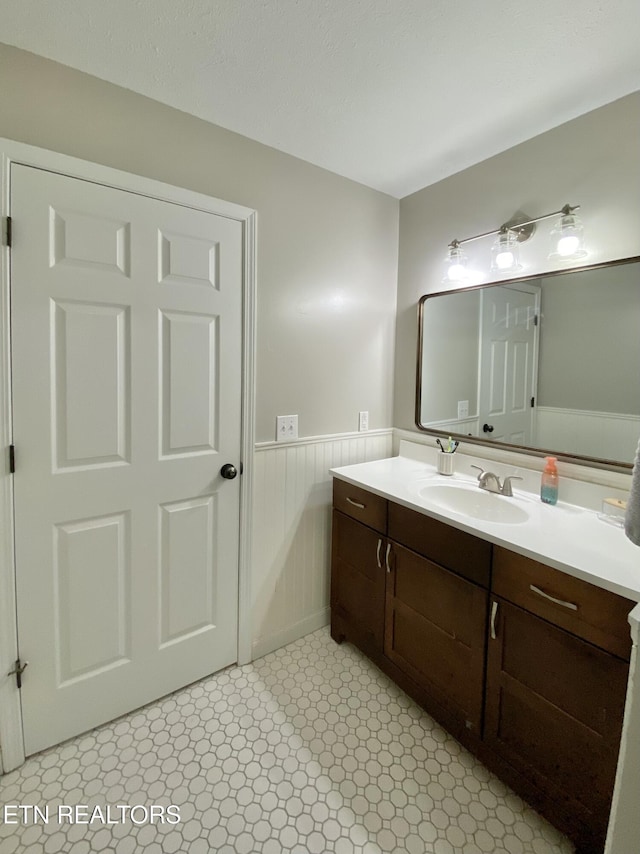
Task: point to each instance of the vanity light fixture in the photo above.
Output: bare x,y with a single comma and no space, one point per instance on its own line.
569,234
456,262
505,252
568,231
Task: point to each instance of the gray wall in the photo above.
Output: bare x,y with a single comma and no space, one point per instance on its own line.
327,247
591,329
593,161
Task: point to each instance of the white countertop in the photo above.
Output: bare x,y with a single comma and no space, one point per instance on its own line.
565,536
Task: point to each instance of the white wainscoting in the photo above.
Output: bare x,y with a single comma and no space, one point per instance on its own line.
292,531
604,435
469,426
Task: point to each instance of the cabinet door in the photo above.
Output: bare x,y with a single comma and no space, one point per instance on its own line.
358,580
554,709
435,632
463,553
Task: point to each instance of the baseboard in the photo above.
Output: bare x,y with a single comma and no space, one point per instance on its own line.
265,645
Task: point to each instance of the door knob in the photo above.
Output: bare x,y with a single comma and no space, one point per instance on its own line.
487,428
228,471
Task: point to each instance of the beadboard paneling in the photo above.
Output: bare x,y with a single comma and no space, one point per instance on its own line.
292,532
470,426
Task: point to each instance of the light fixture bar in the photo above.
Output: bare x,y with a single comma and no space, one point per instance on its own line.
516,226
565,211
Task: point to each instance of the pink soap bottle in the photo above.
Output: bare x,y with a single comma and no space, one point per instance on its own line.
549,482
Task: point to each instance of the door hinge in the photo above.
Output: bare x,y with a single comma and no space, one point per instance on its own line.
18,670
12,459
533,402
535,319
7,231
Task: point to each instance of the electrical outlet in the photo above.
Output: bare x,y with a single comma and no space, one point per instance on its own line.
363,421
286,428
463,409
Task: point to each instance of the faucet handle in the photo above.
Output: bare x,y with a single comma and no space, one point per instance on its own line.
480,469
506,486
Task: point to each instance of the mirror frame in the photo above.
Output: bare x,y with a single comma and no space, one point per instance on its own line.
579,459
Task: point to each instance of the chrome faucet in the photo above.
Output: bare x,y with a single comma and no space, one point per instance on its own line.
491,482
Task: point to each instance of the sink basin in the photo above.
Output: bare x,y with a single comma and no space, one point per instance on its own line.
475,502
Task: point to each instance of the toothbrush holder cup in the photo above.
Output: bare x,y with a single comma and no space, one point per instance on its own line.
445,463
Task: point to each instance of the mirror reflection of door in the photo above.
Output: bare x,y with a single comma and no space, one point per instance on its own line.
508,351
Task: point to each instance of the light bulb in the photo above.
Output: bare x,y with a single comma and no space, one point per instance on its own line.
504,260
568,245
455,272
505,253
456,261
568,234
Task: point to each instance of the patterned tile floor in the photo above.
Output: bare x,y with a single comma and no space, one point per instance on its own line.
308,750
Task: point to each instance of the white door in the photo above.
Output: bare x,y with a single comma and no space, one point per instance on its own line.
508,363
126,346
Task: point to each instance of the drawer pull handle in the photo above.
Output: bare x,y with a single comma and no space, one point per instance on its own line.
356,503
494,612
378,554
570,605
386,557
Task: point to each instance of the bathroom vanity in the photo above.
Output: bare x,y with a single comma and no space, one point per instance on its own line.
510,648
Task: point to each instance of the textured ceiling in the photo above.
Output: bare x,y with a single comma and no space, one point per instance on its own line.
396,94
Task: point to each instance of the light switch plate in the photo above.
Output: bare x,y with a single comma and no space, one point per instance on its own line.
463,409
363,421
286,428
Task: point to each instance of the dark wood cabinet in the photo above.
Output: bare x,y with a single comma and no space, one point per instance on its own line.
361,505
357,583
411,592
434,630
589,612
527,666
557,671
358,554
458,551
554,711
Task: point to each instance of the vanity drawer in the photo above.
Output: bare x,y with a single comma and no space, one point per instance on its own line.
465,554
364,506
587,611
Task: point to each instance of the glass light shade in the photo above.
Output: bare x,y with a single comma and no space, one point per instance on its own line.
505,253
568,235
456,265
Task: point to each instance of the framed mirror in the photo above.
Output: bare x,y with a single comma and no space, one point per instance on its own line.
548,364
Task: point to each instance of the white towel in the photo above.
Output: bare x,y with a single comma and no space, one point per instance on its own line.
632,516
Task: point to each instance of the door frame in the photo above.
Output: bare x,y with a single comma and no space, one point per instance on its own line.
11,740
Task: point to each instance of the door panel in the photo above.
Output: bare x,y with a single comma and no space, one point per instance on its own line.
188,536
91,560
126,345
187,260
189,401
90,398
508,370
87,240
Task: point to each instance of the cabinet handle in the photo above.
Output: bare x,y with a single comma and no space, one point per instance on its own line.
386,557
356,503
378,554
494,612
564,604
